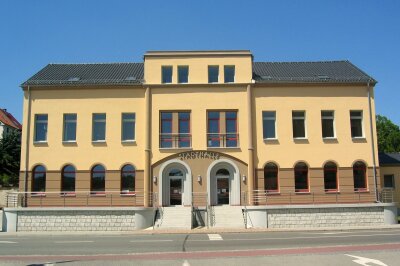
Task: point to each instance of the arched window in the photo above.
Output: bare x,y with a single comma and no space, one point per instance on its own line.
330,177
39,179
271,177
359,176
222,172
128,179
98,179
68,179
301,178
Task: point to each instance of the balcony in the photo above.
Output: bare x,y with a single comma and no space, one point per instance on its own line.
225,140
175,140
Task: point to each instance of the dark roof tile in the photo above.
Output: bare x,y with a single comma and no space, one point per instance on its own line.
389,158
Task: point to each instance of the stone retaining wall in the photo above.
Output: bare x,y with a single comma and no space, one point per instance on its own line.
325,217
76,221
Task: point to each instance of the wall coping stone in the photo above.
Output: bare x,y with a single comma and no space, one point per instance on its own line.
35,209
319,206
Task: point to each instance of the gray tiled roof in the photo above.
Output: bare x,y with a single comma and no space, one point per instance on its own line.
107,73
309,72
263,72
389,158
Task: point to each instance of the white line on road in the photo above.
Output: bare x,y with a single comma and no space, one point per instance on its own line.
213,237
159,240
8,242
73,242
365,261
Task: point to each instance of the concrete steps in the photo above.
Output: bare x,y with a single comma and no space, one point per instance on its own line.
174,217
226,217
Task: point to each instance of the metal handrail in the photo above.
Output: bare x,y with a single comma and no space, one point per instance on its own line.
222,138
176,139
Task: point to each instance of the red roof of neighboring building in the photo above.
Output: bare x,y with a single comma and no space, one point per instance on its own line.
9,120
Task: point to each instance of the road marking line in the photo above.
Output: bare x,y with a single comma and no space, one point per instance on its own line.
214,237
159,240
364,261
185,263
71,242
8,242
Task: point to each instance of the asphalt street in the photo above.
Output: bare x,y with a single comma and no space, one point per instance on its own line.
199,249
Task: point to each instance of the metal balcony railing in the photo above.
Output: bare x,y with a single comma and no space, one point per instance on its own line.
225,140
175,140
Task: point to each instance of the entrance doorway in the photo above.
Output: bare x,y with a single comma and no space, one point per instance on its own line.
175,187
222,177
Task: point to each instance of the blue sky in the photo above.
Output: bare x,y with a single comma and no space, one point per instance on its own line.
35,33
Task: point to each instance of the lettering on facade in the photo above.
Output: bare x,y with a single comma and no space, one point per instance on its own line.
191,155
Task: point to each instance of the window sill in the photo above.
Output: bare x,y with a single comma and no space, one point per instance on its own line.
273,193
98,141
362,190
38,194
68,194
329,138
97,194
305,192
176,148
127,194
332,191
220,148
40,143
300,138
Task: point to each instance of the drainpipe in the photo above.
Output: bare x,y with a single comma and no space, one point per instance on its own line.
371,127
27,143
147,164
250,178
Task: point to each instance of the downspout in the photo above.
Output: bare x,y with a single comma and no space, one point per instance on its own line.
371,127
250,178
147,164
27,143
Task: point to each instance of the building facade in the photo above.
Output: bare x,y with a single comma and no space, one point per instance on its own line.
197,128
8,123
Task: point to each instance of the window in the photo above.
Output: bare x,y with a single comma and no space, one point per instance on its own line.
41,128
183,74
99,127
229,74
359,176
330,177
98,180
356,124
128,127
127,179
69,127
213,74
301,177
39,179
175,130
299,128
269,125
166,74
222,138
68,179
271,177
328,128
388,181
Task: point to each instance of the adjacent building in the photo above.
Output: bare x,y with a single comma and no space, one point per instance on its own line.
8,123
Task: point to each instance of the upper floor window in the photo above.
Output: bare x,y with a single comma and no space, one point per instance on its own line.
68,179
40,127
128,127
183,74
99,127
356,118
328,127
213,74
359,176
299,124
175,130
330,177
222,129
301,178
271,177
39,179
127,179
269,124
98,180
69,127
166,74
229,74
388,181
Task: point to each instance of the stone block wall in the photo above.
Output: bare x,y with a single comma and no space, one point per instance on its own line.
325,217
94,220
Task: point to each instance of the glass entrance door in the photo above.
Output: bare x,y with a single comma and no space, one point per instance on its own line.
175,194
223,190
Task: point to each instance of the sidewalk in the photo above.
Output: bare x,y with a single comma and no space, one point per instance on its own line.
203,230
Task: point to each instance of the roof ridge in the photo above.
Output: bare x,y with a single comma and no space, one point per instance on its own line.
101,63
294,62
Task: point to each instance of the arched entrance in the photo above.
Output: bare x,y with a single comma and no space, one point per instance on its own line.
223,183
175,187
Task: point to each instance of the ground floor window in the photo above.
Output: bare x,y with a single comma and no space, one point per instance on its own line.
271,177
127,179
301,177
39,179
359,176
98,179
330,177
68,179
388,181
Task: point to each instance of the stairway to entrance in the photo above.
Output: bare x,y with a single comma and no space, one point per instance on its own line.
226,217
174,217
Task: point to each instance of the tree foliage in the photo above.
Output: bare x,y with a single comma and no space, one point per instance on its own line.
10,153
388,135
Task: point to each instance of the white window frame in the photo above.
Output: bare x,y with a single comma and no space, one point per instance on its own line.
275,124
393,181
122,127
47,129
362,124
333,123
208,74
105,127
304,118
76,127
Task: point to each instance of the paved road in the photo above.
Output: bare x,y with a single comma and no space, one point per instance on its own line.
317,247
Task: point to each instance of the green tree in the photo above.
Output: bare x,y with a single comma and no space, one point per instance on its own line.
388,135
10,152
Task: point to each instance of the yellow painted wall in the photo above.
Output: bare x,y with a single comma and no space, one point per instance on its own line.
83,101
315,151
